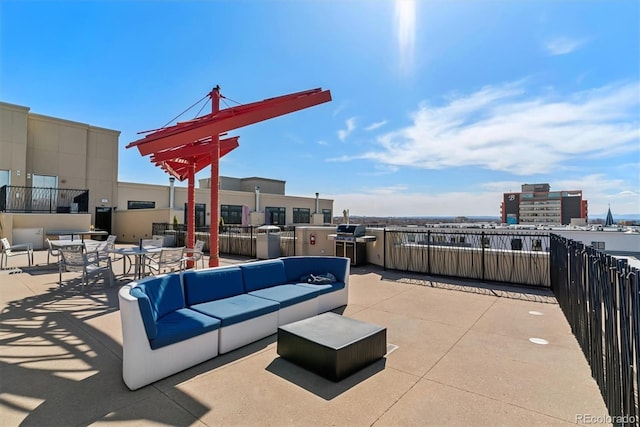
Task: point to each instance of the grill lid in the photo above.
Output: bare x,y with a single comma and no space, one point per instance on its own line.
355,230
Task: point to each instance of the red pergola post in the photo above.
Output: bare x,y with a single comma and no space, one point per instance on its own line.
214,260
191,208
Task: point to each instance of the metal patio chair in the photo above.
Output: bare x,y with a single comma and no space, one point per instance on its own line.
168,259
52,251
196,253
9,250
76,258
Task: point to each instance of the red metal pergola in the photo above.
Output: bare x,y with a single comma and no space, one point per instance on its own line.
188,147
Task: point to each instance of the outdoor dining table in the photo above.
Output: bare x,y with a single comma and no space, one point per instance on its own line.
74,233
138,255
89,245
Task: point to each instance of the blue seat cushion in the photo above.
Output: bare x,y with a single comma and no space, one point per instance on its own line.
263,274
182,324
236,309
324,289
287,295
212,284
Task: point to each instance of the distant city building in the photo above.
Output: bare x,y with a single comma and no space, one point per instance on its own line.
536,204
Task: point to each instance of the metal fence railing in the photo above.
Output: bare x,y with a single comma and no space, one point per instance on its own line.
232,240
518,258
43,200
600,297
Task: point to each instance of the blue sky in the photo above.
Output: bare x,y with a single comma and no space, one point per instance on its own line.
438,107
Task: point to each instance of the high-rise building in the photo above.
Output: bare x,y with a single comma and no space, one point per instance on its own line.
536,204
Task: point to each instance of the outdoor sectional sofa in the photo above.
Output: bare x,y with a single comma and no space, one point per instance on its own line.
175,321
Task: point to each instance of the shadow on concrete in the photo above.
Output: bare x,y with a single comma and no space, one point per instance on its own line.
321,387
58,369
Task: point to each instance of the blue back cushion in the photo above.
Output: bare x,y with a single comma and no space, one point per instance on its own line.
212,284
296,267
148,318
158,296
261,275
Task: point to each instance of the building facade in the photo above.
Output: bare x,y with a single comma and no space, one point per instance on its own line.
536,204
59,174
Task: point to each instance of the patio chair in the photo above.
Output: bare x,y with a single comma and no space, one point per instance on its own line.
169,259
105,249
75,258
9,250
195,254
52,251
151,243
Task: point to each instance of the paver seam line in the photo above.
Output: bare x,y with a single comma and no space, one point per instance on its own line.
437,361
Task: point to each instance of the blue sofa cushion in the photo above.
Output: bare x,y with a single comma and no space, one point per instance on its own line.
158,296
287,295
182,324
261,275
323,289
298,267
148,318
236,309
212,284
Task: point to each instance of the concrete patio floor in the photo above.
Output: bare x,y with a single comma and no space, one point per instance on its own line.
459,354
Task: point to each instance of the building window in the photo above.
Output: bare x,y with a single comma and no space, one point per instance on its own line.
275,216
44,181
326,216
42,200
598,246
5,177
139,204
301,215
200,214
231,214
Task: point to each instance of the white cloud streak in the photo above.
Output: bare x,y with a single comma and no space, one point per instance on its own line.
376,125
563,45
500,128
405,20
350,127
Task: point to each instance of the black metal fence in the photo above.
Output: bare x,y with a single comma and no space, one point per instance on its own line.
43,200
232,240
600,297
519,258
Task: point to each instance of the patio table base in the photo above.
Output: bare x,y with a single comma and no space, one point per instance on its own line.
331,345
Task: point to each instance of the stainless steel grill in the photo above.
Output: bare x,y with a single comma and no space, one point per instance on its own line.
350,230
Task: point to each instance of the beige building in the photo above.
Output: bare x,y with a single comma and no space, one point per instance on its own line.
57,174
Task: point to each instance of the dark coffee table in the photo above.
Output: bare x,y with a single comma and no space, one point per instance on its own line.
331,345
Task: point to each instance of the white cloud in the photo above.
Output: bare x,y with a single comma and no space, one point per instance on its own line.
562,45
375,125
350,127
501,128
393,201
405,20
322,142
601,191
338,110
